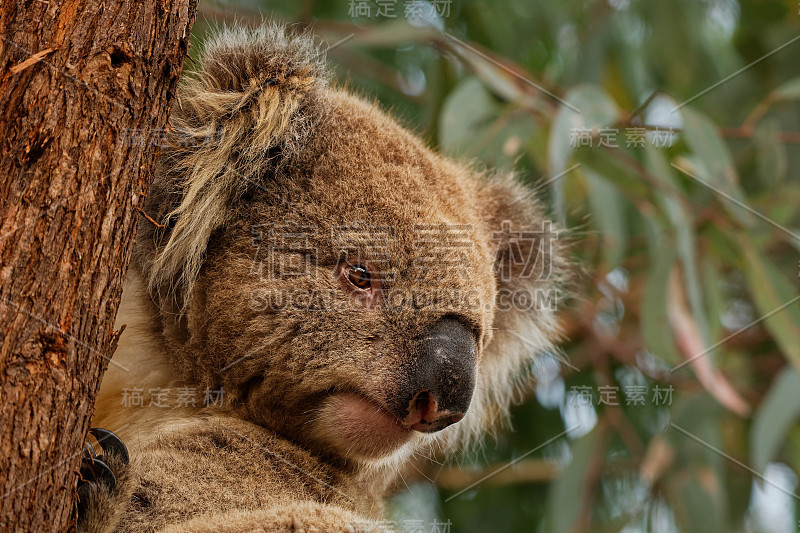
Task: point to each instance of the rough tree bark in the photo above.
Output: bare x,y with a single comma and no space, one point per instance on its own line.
79,81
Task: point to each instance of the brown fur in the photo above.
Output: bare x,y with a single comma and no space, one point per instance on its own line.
277,456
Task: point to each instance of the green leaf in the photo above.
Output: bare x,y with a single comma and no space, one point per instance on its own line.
589,108
713,294
656,163
494,135
628,183
792,448
458,127
703,502
713,164
788,91
608,210
696,485
685,238
562,510
688,255
771,154
655,329
771,291
391,34
773,419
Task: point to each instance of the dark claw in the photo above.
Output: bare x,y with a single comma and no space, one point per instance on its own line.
110,443
94,468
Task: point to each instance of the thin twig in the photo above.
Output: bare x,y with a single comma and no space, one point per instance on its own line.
149,218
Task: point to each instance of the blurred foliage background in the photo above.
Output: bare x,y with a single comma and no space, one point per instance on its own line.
665,136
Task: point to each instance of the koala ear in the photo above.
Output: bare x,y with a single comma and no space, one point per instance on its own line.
529,253
532,274
246,109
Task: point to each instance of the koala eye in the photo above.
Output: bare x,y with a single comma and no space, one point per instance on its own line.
358,276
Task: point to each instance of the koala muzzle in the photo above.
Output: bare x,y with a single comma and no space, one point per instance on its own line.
439,387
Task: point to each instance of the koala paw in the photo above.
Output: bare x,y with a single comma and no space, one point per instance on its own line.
98,470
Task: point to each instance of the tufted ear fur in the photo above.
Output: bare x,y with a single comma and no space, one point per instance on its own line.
248,109
532,274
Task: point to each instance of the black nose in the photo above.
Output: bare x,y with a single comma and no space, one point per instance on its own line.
441,378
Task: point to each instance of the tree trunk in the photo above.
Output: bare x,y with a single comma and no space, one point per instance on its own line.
84,85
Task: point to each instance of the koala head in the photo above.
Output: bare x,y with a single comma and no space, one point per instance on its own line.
345,285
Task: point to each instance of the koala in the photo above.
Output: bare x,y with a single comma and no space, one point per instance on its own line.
358,299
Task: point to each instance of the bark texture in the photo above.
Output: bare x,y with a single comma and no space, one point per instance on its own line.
85,87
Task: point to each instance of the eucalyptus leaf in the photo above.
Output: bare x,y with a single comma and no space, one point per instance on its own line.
771,154
655,325
585,108
790,90
468,110
717,171
771,293
778,412
608,211
562,508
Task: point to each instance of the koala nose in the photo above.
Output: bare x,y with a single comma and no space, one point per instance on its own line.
425,416
442,378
